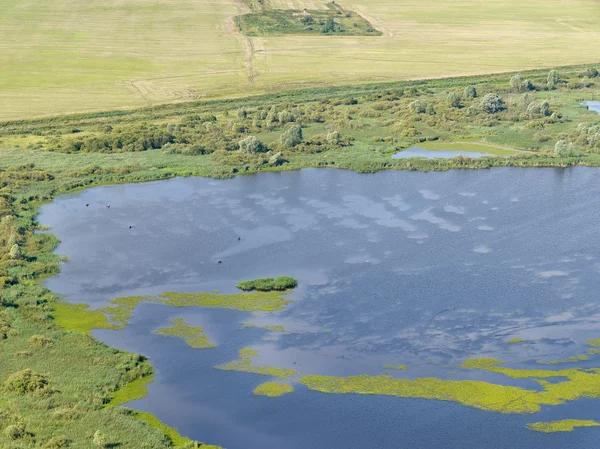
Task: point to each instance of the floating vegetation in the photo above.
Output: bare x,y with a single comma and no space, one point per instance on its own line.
280,283
120,310
515,340
565,425
245,365
273,389
272,328
572,359
194,336
248,302
396,367
594,342
593,351
477,394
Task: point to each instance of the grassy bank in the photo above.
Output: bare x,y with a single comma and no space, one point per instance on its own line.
74,379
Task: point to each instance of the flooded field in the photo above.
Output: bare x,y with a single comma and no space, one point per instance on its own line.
467,301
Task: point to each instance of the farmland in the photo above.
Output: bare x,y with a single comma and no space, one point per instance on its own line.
68,56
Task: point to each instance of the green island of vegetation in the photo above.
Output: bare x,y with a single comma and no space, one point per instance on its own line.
194,336
515,340
269,327
564,425
351,127
477,394
334,20
571,359
280,283
396,367
273,389
244,364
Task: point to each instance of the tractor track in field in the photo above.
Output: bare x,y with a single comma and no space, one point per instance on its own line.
245,41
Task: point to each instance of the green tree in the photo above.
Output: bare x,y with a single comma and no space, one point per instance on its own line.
491,103
292,136
251,145
242,113
553,79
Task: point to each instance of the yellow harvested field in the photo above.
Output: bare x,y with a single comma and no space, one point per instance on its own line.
70,56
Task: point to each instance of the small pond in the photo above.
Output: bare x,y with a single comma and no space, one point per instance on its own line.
435,154
593,105
425,270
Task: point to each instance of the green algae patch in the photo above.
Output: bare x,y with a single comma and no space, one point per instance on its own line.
396,367
476,394
593,351
565,425
491,365
194,336
246,302
572,359
273,389
177,440
482,395
247,352
515,340
121,309
272,328
131,391
280,283
245,365
78,318
594,342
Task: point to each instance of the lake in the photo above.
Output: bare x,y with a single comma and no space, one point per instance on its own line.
395,268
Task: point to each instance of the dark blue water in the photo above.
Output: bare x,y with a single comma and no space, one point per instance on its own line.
423,269
435,154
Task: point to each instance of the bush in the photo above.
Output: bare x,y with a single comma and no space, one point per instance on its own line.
563,148
553,79
268,284
57,443
292,136
26,381
15,251
99,440
251,145
418,107
15,431
39,341
334,138
491,103
470,92
453,100
592,72
516,83
286,117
